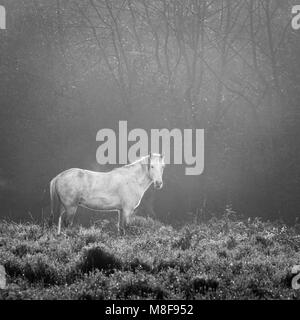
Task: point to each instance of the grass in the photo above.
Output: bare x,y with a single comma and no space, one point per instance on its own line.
227,258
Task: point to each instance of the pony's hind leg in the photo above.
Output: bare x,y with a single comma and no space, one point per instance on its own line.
61,213
70,214
67,216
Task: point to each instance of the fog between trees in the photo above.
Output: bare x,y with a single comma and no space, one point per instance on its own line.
231,67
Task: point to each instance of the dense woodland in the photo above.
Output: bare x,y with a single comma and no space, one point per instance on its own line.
69,68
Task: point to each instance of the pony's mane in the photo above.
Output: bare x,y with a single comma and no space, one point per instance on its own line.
142,159
137,161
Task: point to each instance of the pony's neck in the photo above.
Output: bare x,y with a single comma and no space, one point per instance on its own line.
142,175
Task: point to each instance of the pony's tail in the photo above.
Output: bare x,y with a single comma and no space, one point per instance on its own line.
54,199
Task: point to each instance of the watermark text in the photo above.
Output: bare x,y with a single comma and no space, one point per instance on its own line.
296,17
2,18
188,146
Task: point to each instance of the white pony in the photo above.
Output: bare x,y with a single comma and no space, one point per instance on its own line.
119,190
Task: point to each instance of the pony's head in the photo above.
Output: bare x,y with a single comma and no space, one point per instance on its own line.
156,167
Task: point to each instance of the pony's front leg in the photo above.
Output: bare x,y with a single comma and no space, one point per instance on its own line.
124,220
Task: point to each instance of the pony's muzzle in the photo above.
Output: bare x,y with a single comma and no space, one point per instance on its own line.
158,184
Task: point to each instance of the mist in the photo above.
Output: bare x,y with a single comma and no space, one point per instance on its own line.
71,68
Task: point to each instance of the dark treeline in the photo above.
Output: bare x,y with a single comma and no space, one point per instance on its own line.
69,68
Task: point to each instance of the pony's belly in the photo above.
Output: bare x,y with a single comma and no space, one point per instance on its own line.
101,203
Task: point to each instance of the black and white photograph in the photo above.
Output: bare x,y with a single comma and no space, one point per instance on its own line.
149,150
